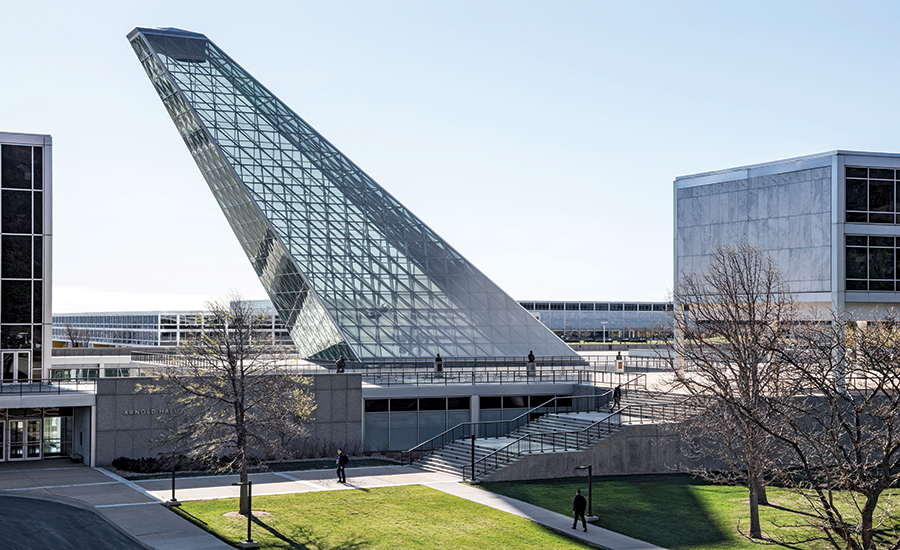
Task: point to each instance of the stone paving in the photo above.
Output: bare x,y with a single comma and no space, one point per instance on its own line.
134,506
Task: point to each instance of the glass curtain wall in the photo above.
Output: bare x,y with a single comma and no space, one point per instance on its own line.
350,270
21,262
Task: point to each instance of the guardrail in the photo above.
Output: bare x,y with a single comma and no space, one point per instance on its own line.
500,428
574,439
48,386
486,375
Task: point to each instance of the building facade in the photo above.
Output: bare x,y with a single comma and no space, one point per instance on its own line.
25,242
831,221
601,321
350,270
35,422
568,320
147,328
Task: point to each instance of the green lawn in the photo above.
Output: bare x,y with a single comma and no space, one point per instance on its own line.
389,518
674,511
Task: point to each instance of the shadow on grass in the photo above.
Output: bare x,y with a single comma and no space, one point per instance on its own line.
304,539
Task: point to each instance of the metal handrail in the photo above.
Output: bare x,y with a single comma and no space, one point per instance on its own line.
423,448
555,435
47,385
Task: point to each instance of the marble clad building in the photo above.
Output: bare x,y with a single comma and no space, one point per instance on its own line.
832,221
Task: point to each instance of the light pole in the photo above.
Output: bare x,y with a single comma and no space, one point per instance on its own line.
604,330
249,543
589,468
173,501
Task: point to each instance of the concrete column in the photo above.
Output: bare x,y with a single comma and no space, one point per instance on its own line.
93,442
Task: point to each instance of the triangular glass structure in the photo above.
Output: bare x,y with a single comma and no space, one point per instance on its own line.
348,268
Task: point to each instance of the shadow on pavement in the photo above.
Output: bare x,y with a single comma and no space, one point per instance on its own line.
28,523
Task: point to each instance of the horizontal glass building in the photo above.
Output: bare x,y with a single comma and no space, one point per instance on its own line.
349,269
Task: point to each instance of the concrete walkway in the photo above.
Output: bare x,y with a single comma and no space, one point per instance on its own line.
134,505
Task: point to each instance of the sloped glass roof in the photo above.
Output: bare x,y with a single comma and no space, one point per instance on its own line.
348,268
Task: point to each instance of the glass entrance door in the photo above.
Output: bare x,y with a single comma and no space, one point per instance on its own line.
16,440
33,439
14,366
2,440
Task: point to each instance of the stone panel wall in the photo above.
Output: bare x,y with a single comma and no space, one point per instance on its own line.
130,420
787,215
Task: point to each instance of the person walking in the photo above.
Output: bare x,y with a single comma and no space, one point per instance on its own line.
617,396
340,363
342,460
578,507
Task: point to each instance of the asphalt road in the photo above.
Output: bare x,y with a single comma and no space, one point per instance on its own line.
32,524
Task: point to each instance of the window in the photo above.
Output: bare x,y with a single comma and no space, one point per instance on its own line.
871,195
556,306
15,161
871,263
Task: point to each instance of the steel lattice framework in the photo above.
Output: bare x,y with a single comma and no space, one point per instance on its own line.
350,270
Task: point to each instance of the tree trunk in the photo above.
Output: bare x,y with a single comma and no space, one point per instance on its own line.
761,497
865,523
755,529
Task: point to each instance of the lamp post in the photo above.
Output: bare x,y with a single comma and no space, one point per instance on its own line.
249,543
173,501
604,330
589,468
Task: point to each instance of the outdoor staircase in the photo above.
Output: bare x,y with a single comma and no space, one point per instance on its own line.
554,432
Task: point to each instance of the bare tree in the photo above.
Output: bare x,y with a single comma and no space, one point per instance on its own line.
77,337
234,396
843,426
728,319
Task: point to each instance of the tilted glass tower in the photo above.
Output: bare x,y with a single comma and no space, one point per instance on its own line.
350,270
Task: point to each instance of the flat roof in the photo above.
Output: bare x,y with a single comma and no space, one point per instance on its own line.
793,160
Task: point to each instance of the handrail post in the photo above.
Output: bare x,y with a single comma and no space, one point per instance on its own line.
473,457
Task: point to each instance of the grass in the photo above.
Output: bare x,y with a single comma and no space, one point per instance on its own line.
674,511
388,518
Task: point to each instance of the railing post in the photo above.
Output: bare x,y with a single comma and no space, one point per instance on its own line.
473,457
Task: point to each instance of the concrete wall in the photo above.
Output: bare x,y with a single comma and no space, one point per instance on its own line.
130,421
81,433
638,449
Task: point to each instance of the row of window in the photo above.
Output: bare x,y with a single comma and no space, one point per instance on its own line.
593,306
120,321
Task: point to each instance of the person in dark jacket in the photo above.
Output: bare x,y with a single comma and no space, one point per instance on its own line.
617,396
341,461
340,363
578,507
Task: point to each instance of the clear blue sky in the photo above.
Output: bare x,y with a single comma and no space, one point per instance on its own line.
540,139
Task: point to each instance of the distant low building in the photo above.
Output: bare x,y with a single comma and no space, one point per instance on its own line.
569,320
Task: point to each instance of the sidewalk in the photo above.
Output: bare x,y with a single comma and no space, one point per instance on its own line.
134,505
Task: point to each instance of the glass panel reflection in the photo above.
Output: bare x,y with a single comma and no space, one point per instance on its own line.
350,270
